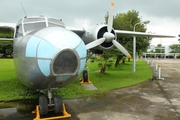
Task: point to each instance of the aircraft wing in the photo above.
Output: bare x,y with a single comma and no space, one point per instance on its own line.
142,34
6,39
79,32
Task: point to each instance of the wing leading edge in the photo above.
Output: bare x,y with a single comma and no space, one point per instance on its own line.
6,39
79,32
125,33
142,34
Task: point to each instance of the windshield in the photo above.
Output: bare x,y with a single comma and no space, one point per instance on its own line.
55,22
18,31
28,27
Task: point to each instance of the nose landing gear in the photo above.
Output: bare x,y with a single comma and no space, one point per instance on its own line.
56,103
85,78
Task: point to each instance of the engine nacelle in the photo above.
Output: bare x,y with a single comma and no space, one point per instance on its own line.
95,33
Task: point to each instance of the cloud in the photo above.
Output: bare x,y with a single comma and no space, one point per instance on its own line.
164,15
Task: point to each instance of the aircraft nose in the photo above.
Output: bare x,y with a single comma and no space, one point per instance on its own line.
66,62
58,51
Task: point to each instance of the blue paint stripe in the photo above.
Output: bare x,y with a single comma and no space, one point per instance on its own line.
46,50
82,65
72,39
81,50
57,38
32,46
44,66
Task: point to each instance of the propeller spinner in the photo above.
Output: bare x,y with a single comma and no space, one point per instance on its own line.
108,36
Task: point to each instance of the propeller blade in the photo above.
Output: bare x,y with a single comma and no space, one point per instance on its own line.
121,48
110,18
95,43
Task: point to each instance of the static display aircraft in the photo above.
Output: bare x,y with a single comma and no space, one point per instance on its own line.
47,55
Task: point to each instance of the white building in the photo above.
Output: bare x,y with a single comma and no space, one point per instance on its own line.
165,54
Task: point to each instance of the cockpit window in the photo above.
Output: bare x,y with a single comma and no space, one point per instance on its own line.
27,20
55,23
18,31
29,24
28,27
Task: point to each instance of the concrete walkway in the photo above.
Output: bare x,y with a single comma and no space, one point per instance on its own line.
152,100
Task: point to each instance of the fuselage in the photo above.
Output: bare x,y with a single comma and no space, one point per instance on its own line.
46,54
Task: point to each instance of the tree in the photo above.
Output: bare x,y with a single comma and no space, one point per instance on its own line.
6,48
105,61
126,21
159,49
6,32
175,48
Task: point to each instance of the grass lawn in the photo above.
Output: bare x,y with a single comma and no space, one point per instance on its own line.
114,78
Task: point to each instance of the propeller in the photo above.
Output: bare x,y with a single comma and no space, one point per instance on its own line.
95,43
121,48
110,18
108,36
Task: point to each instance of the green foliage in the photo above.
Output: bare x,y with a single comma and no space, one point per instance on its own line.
6,47
105,61
121,76
92,59
110,63
123,59
114,78
159,45
159,50
101,62
126,21
152,51
6,32
10,87
175,49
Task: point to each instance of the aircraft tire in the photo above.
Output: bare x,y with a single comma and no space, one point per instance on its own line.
57,104
43,105
85,76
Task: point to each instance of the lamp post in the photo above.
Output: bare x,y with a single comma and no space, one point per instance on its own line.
134,45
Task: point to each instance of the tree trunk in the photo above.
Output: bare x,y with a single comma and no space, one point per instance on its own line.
123,61
103,70
4,55
118,60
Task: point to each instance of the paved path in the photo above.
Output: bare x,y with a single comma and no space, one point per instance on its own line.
152,100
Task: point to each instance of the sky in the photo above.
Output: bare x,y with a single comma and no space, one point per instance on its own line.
164,15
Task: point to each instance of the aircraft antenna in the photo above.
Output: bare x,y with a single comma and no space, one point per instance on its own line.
23,9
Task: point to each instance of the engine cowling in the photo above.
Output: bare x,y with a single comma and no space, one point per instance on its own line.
97,32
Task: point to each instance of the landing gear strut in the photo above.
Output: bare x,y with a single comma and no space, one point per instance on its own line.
85,78
54,102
